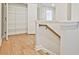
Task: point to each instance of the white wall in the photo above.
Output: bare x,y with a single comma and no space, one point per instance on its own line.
32,17
17,20
75,11
70,39
0,25
61,11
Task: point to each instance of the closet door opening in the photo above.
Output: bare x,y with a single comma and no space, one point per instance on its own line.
17,18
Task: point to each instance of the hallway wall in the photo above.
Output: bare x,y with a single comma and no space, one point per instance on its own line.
61,11
32,17
75,11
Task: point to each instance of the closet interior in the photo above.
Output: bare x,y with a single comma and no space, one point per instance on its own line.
14,19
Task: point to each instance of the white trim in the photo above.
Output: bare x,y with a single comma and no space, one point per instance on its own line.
7,22
0,24
69,11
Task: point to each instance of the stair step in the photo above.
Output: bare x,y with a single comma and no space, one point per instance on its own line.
43,52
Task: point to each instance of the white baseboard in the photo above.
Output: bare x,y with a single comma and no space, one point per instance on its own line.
31,33
44,49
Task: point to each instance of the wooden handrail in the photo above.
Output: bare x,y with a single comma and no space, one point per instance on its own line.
50,29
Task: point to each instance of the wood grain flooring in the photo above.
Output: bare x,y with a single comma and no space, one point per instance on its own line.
22,44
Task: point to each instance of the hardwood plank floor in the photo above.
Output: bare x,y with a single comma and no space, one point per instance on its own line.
22,44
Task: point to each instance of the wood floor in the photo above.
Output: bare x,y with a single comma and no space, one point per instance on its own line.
22,44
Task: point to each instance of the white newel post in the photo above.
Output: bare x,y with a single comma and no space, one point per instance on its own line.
69,38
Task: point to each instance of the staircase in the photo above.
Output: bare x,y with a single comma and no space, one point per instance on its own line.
47,40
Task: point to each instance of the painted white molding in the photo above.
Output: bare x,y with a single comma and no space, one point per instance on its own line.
0,24
69,11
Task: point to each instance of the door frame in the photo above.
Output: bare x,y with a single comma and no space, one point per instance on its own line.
6,21
0,23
